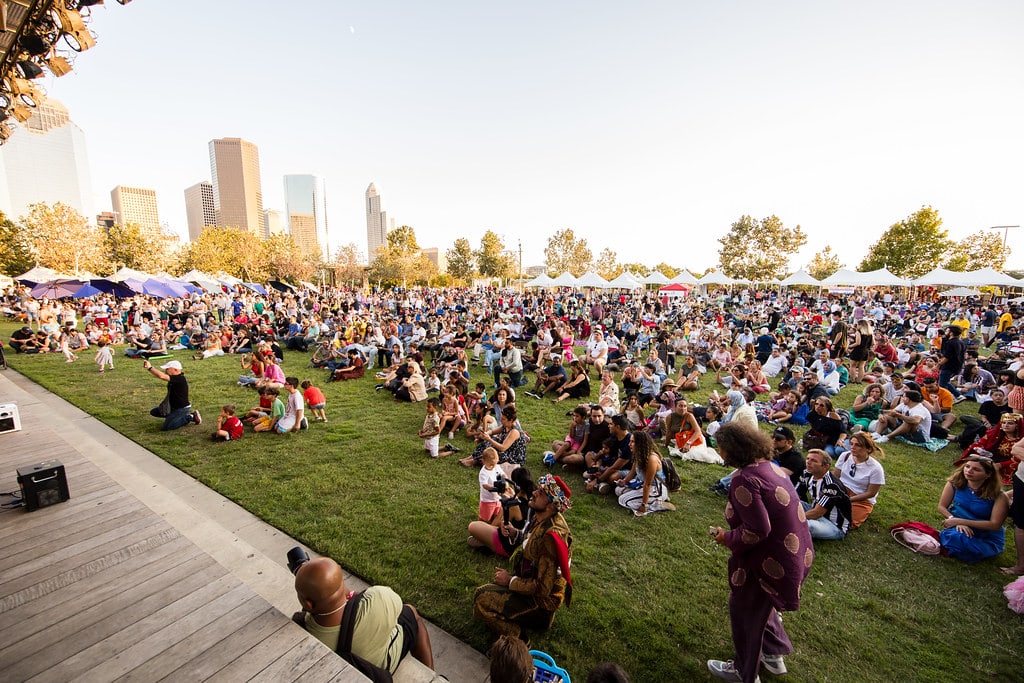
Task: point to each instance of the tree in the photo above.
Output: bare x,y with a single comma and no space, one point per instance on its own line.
282,259
348,264
15,248
824,263
460,260
400,260
982,249
910,248
666,270
233,250
491,259
62,239
565,253
638,269
758,250
137,247
607,264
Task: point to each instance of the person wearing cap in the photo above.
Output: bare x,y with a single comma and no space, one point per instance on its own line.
597,351
181,412
23,340
528,596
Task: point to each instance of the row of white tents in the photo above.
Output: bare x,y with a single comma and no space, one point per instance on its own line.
883,277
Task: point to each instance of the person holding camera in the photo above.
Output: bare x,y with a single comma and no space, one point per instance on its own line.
531,594
505,536
383,629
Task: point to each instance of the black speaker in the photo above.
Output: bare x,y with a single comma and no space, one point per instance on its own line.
43,484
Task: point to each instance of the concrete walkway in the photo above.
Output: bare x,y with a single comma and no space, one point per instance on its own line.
247,547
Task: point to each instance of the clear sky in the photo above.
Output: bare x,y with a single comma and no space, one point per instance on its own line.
647,127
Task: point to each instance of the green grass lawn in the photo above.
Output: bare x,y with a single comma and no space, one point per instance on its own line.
649,593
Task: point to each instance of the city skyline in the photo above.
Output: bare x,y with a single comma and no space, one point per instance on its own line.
647,129
237,185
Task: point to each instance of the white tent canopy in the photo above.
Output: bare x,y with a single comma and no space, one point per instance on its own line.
591,279
684,277
800,277
716,278
656,278
541,280
962,291
126,273
939,276
566,279
625,281
40,274
988,277
874,278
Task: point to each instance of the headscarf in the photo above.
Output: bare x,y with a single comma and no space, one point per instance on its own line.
557,490
736,400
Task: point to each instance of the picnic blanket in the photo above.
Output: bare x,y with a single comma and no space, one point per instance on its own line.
931,444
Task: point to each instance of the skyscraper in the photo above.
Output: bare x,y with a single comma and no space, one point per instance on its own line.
376,224
199,208
306,213
275,222
45,160
135,205
237,192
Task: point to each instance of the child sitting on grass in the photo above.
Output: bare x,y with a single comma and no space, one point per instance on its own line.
490,501
104,356
267,421
229,427
433,382
266,402
316,400
431,431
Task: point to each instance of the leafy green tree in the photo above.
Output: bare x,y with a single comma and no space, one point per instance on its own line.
666,270
348,264
62,239
461,260
638,269
491,259
910,248
401,261
134,246
282,259
233,250
565,252
607,264
824,263
758,250
982,249
15,248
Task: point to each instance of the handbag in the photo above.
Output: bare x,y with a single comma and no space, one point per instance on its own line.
813,440
918,536
164,409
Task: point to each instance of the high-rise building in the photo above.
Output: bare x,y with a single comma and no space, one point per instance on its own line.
275,222
376,224
437,257
306,213
199,208
237,192
135,205
105,219
45,160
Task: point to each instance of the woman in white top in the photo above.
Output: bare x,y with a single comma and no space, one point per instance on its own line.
861,474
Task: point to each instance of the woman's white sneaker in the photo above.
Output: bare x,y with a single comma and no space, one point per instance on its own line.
774,664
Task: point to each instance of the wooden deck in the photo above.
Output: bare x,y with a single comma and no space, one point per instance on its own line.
102,588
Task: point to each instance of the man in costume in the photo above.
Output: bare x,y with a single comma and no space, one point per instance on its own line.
529,596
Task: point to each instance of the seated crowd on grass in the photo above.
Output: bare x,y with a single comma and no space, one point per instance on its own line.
623,365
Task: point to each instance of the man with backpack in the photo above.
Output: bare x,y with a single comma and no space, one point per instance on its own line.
380,631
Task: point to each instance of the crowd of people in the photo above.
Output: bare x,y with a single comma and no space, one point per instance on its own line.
625,366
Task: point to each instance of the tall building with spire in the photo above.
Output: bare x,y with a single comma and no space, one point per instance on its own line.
306,213
376,224
45,160
135,205
237,191
199,208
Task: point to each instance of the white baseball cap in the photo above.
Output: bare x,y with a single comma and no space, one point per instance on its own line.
173,364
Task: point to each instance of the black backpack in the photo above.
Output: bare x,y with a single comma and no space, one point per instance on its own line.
668,470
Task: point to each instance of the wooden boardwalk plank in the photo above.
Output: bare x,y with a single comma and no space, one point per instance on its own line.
18,521
295,662
230,648
198,643
80,630
36,613
263,655
126,649
330,668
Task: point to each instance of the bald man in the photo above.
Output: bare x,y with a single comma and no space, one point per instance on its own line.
385,630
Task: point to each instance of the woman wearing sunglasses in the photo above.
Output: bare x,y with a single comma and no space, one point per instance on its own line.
860,472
